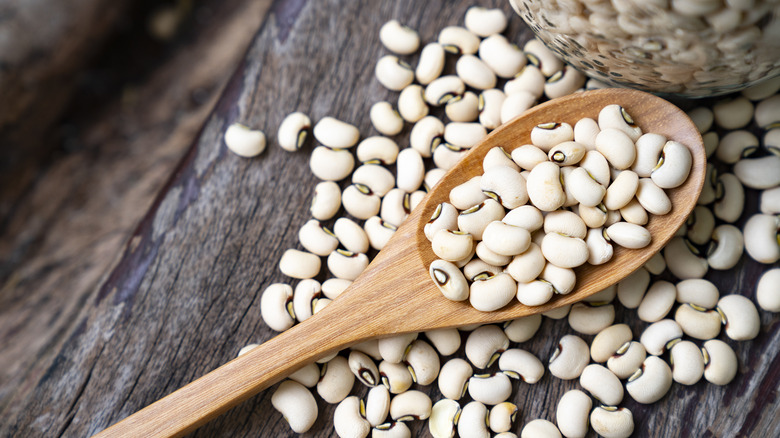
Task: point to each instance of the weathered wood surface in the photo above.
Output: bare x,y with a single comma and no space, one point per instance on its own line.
185,295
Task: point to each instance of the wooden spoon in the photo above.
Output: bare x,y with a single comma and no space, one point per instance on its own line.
395,294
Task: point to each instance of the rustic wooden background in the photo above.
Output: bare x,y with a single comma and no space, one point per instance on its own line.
121,283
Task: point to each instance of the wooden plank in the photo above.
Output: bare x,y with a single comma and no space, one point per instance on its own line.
185,295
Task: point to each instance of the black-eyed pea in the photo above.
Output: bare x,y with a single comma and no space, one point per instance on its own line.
377,150
585,190
602,384
528,156
458,40
377,405
505,239
276,307
567,153
572,414
770,200
473,421
444,418
702,117
360,201
468,194
657,302
708,190
720,362
608,341
622,190
594,217
395,376
585,132
628,235
687,363
330,164
522,329
699,292
442,89
485,344
768,291
617,147
346,264
590,319
631,290
432,177
453,378
544,187
656,264
364,368
306,294
561,279
759,173
502,416
651,381
489,107
673,167
446,341
395,207
627,359
538,54
563,82
463,108
559,313
498,157
762,90
726,247
515,104
648,152
736,145
564,251
477,268
485,22
446,156
411,103
710,141
534,292
505,185
317,239
612,422
504,58
475,73
351,235
490,389
604,296
320,303
378,232
529,79
393,73
527,266
410,170
336,134
492,293
392,429
464,134
299,264
740,317
243,141
683,259
349,420
658,335
600,250
370,348
410,405
399,38
293,131
449,280
296,404
525,216
633,213
730,198
385,118
475,219
249,347
452,245
762,241
597,166
700,224
423,362
307,376
616,117
444,217
463,262
522,365
569,358
540,428
733,113
393,349
431,63
336,381
548,135
333,287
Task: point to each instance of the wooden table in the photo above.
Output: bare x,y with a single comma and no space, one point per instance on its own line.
184,295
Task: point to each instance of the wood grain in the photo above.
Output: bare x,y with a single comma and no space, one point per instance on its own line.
185,295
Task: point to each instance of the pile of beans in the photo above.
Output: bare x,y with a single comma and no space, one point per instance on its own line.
565,209
684,316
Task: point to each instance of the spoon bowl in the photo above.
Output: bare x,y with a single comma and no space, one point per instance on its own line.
396,295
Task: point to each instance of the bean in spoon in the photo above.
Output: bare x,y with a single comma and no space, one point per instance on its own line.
395,294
